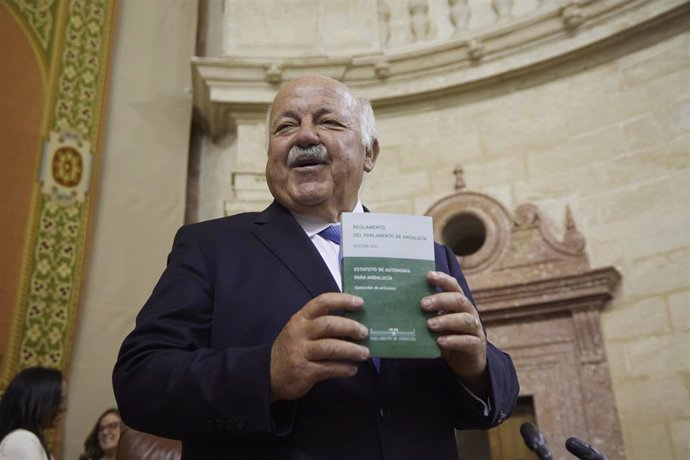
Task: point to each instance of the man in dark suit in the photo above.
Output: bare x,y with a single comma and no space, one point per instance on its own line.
241,352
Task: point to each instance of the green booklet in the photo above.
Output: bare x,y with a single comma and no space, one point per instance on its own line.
385,261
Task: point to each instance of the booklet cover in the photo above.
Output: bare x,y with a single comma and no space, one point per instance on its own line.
385,261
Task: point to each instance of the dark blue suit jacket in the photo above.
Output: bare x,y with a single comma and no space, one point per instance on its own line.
196,367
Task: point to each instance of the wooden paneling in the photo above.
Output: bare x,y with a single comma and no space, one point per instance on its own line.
505,441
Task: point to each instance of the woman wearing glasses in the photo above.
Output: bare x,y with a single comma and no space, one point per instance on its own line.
33,402
103,439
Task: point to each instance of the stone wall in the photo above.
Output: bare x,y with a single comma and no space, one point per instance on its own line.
605,131
611,138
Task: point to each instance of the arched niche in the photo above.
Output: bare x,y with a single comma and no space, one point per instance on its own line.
541,301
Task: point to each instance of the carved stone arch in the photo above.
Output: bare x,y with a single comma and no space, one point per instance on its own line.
476,226
540,301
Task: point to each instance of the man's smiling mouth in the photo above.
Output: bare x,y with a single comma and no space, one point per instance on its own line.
307,163
305,157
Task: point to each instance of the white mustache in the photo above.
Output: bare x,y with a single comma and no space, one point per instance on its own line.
312,154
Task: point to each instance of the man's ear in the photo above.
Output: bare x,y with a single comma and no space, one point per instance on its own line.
371,154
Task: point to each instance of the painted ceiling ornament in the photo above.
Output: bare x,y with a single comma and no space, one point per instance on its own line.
66,167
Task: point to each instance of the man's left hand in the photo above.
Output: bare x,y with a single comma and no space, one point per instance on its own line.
461,336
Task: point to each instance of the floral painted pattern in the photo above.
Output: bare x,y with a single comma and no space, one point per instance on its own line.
67,167
74,37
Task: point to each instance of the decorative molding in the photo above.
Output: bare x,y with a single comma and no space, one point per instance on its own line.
548,373
475,50
540,301
508,239
460,14
573,16
66,168
246,188
40,15
382,69
554,296
503,9
528,216
420,22
496,221
588,334
384,17
548,35
274,73
81,73
46,311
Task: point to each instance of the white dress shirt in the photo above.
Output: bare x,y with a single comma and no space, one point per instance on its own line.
330,252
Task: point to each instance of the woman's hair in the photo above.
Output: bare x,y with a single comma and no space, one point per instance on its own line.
32,401
92,448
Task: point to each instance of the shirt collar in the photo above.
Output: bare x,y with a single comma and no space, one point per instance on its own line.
313,225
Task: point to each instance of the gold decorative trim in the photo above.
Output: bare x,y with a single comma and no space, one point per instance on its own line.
40,16
45,315
66,168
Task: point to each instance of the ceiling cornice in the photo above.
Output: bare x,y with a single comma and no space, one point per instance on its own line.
228,88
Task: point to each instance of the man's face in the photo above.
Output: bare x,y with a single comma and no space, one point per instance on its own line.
309,112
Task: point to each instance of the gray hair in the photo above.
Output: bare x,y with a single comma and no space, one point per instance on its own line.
367,123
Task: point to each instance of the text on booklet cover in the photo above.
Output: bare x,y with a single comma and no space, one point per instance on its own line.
385,261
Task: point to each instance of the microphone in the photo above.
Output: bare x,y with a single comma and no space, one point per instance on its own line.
582,450
535,440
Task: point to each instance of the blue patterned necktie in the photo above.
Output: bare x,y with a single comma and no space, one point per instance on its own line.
333,234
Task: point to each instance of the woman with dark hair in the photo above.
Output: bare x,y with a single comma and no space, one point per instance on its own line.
33,402
104,437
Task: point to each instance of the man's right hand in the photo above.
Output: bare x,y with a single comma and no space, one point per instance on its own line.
313,346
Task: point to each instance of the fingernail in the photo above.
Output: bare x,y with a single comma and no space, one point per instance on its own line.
442,340
433,323
426,303
363,332
356,300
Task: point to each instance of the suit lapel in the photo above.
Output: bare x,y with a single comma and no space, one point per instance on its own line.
282,235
